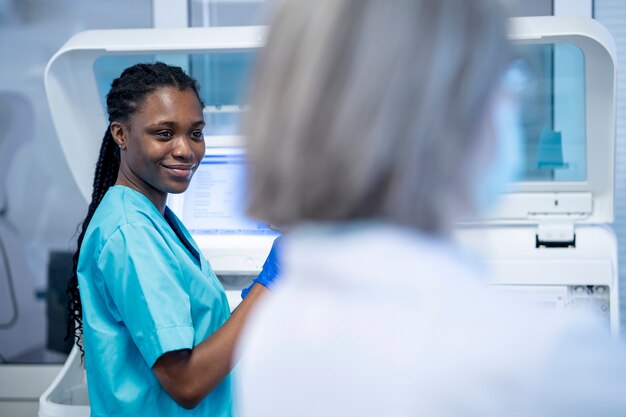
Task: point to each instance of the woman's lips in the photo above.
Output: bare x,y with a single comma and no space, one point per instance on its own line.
180,171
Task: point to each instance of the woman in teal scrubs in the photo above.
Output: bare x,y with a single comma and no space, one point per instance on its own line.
158,334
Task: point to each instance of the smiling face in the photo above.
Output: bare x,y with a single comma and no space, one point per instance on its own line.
161,145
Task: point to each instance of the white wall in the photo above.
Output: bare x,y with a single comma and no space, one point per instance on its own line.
612,13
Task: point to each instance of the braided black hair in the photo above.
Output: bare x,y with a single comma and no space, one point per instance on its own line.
127,95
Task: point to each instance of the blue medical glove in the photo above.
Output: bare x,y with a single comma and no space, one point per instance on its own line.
270,272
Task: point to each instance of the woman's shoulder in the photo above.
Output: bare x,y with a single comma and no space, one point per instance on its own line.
120,210
123,205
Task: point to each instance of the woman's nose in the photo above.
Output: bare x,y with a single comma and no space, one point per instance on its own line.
182,148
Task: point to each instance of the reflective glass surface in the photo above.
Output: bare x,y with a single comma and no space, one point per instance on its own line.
223,79
549,78
551,86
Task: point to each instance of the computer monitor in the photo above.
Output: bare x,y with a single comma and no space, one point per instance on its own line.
214,202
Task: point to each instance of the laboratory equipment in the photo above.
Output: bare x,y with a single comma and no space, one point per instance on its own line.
549,240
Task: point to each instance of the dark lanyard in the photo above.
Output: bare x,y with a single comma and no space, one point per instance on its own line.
181,236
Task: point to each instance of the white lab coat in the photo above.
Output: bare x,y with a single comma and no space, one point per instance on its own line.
370,320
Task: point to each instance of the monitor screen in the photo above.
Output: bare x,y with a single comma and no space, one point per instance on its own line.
214,203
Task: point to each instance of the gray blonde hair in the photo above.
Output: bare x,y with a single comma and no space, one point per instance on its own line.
372,109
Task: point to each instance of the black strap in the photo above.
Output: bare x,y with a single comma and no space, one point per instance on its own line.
181,236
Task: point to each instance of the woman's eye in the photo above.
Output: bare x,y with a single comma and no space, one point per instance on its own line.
164,134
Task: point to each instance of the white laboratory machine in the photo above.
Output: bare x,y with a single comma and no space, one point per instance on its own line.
548,242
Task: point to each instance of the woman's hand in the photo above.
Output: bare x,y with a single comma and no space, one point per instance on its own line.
271,269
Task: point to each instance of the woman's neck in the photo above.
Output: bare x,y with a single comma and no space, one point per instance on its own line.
158,198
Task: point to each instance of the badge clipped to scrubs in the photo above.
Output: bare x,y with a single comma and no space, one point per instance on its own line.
504,166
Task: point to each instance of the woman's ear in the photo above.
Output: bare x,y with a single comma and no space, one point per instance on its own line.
118,131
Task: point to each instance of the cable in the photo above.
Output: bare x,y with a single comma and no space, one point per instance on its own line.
13,320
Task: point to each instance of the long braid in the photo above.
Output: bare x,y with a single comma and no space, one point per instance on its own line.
105,176
128,92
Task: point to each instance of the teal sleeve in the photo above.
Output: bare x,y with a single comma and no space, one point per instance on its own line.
148,289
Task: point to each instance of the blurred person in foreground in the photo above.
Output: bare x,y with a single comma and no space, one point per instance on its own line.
374,127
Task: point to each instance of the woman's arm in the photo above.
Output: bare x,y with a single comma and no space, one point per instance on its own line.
190,375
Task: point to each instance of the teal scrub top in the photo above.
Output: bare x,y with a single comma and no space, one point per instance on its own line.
144,293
